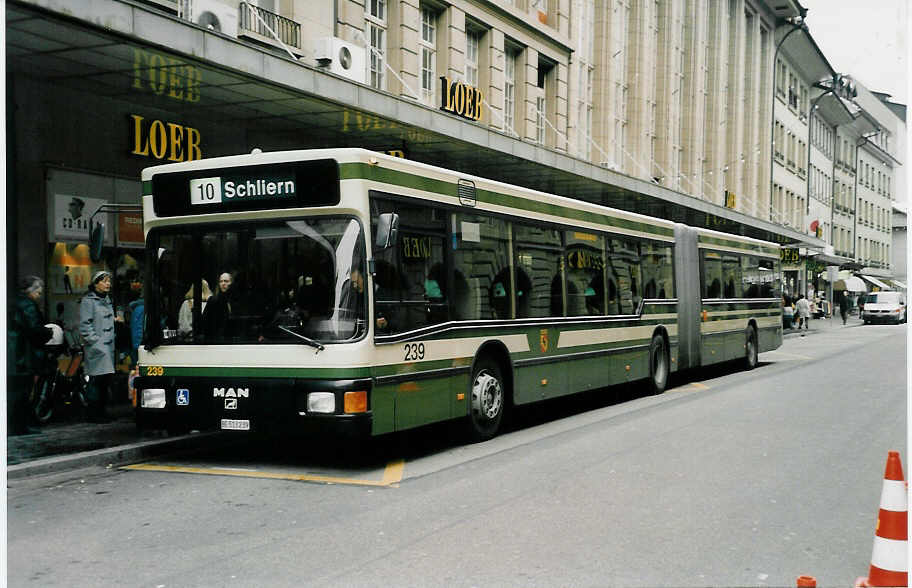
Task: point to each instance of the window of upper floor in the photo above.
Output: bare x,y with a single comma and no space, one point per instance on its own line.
427,53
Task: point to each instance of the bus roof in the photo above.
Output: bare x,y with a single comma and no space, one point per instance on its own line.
493,194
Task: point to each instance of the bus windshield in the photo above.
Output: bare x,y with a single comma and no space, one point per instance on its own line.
279,281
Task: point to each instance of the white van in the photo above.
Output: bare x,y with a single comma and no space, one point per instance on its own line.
884,307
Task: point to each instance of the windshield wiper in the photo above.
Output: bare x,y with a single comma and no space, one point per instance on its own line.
307,340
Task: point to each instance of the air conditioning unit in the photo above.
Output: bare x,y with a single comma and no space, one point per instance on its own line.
214,15
342,58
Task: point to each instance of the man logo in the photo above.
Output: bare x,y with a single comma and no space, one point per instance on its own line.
231,392
231,404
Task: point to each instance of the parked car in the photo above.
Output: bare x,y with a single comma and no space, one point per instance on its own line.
884,307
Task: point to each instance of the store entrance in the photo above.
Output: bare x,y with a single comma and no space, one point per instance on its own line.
72,197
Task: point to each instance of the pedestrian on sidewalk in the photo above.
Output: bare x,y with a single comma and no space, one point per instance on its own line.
788,312
96,325
804,312
843,307
26,336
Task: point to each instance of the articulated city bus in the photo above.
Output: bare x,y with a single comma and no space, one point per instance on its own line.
359,293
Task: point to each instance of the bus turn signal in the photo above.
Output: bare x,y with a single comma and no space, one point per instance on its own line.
355,401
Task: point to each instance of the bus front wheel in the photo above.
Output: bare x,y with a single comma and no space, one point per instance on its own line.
658,364
488,400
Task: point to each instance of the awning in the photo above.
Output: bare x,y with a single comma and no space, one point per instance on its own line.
877,282
852,284
830,259
899,284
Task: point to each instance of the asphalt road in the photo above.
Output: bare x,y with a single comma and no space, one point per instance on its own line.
728,479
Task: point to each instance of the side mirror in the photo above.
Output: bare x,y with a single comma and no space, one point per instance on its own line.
96,241
387,230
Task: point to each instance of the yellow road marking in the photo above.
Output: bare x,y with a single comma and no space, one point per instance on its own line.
694,384
392,475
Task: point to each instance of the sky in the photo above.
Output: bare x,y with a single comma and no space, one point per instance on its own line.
867,39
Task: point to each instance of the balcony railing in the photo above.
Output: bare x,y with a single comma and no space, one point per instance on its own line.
287,30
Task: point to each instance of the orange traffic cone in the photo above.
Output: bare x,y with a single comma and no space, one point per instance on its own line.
806,582
889,560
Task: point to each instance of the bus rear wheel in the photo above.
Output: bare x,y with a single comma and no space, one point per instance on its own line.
658,364
750,345
488,400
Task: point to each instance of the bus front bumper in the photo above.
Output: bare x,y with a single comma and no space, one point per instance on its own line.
285,406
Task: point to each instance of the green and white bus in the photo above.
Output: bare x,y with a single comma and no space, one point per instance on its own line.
367,294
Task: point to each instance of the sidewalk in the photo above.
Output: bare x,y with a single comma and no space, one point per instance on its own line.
73,444
822,325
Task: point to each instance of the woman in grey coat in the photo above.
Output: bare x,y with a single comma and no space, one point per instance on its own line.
96,325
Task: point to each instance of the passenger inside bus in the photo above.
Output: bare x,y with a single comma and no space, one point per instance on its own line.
218,310
714,290
185,315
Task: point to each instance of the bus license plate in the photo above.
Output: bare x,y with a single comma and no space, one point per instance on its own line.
236,424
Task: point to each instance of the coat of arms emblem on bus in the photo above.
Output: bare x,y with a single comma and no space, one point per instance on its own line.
543,340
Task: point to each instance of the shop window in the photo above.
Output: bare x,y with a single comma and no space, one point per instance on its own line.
73,197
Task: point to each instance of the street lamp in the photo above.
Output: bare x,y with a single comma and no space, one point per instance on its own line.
797,23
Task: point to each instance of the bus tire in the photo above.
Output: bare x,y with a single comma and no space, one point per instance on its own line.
750,349
658,364
487,400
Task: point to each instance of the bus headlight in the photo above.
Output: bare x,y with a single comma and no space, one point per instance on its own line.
153,398
321,402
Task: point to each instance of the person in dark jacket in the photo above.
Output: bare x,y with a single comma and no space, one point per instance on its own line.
26,334
96,325
843,306
218,311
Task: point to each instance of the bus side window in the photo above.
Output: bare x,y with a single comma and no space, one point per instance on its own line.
480,254
711,274
410,280
523,293
731,272
585,263
501,294
537,259
658,272
624,269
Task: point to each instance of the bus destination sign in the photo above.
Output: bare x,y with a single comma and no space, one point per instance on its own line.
300,184
219,189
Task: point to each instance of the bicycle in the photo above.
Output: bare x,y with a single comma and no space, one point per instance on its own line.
63,383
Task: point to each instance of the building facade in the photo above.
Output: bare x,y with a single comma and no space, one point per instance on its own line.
695,110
